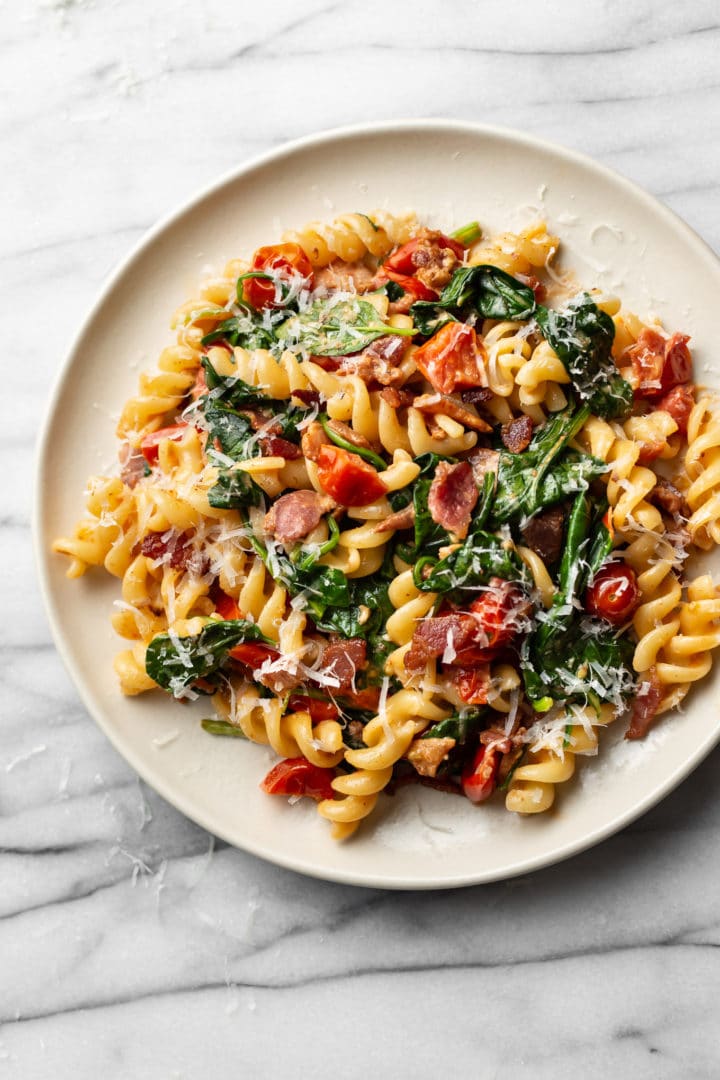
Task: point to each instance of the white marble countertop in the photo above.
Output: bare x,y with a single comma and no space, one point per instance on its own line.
131,944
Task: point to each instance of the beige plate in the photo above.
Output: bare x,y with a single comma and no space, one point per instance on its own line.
614,235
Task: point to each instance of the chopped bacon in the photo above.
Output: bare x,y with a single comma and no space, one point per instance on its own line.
433,636
452,497
308,397
282,678
401,519
483,462
427,755
340,276
313,437
668,498
176,550
398,399
543,533
448,406
433,260
275,446
133,465
296,514
379,361
342,659
645,706
659,364
346,432
517,434
679,403
477,395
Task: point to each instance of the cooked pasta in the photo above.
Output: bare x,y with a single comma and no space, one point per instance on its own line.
402,520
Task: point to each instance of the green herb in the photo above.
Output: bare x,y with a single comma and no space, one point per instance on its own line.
222,727
234,489
304,559
376,228
245,330
467,234
175,663
361,451
335,327
234,391
461,726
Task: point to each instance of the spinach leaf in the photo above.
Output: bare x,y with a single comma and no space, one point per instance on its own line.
234,391
392,290
231,429
485,289
245,330
176,663
461,726
234,489
333,327
582,336
366,595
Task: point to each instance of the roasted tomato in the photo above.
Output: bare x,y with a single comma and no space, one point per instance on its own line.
500,612
347,478
659,363
319,710
151,443
412,286
480,777
252,654
226,607
402,261
297,776
452,359
281,259
679,403
614,593
471,683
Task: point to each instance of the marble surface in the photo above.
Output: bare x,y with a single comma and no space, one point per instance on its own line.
131,944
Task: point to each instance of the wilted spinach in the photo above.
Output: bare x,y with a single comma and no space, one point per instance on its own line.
333,327
175,663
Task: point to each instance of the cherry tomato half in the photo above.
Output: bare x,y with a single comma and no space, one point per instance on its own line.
151,443
500,611
284,259
480,777
412,286
252,654
297,776
319,710
347,478
402,261
614,593
472,684
226,607
452,359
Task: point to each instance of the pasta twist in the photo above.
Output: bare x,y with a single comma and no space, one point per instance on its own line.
292,735
685,657
517,253
107,535
352,236
628,484
702,466
160,392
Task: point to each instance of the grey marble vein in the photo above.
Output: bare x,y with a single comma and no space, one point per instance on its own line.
132,944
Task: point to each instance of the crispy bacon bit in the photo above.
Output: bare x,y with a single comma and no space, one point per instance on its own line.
507,762
340,276
176,550
434,636
448,406
668,498
275,446
346,432
342,659
433,261
313,437
679,403
401,519
477,395
133,465
379,362
296,514
544,533
427,755
452,497
308,397
396,398
517,434
281,679
483,462
645,706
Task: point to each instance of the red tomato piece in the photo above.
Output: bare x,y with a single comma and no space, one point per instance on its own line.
471,683
480,777
369,698
679,403
319,710
402,262
659,363
412,286
678,367
614,593
226,607
283,259
252,654
500,611
452,359
298,776
151,443
347,478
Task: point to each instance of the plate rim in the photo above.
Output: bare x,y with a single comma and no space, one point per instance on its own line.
141,765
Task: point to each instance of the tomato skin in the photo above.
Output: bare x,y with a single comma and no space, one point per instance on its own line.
151,443
614,593
412,285
298,776
252,654
471,683
319,710
226,607
678,367
492,609
660,364
452,358
401,262
285,258
480,777
347,478
679,402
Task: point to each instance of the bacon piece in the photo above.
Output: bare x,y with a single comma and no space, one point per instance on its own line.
645,706
517,434
401,519
668,498
440,403
308,397
313,437
379,361
342,659
432,637
477,395
296,514
433,261
133,465
427,755
346,432
276,446
679,403
340,276
398,399
544,533
281,679
176,550
483,462
452,497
